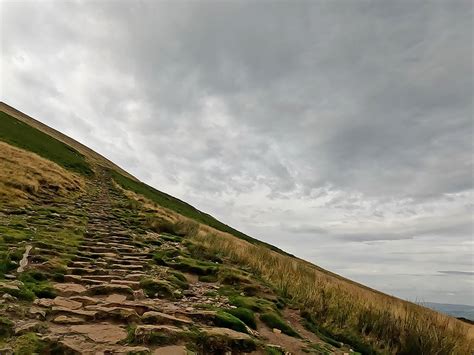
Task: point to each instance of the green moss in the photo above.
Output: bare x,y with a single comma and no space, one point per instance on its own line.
158,288
23,293
245,315
193,266
227,320
220,344
253,303
6,327
208,278
28,344
273,320
178,279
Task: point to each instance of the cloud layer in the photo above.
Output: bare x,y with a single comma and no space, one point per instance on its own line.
340,131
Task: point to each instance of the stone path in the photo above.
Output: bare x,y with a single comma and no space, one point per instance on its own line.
101,301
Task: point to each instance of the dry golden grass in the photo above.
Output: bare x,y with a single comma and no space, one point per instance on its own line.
390,324
23,175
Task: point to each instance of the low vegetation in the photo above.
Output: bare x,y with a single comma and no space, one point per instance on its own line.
344,310
25,175
182,208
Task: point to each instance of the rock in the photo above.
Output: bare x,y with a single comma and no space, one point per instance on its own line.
68,320
37,312
138,295
26,327
9,298
66,303
85,300
226,338
106,289
276,331
74,312
43,302
69,289
144,332
72,278
125,314
101,333
162,318
171,350
8,286
115,298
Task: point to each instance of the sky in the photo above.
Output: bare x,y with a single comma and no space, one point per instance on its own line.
339,131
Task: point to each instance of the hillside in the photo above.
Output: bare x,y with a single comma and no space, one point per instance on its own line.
93,261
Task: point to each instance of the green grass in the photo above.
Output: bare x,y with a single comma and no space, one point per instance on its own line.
245,315
19,134
183,208
272,320
227,320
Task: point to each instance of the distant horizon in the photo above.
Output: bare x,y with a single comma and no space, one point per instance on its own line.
338,132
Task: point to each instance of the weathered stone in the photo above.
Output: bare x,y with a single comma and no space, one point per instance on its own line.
66,303
43,302
229,338
9,298
74,312
101,333
85,300
25,327
125,314
69,289
107,289
276,331
115,298
37,312
144,332
162,318
68,320
133,284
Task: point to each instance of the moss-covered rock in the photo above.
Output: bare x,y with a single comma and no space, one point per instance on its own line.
273,320
245,315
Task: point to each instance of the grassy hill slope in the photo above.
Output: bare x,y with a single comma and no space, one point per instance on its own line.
266,285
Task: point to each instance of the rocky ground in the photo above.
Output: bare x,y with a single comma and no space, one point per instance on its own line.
88,276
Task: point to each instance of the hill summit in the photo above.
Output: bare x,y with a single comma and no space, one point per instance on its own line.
93,261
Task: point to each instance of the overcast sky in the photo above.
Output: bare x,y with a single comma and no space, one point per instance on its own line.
340,131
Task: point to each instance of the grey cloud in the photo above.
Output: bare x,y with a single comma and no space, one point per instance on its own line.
344,121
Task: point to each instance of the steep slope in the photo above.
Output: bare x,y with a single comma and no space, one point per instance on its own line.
111,265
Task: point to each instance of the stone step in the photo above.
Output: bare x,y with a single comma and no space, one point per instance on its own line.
109,288
88,314
128,266
133,284
135,276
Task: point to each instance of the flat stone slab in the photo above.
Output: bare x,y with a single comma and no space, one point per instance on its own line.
116,298
69,289
85,300
101,333
163,318
66,303
74,312
68,320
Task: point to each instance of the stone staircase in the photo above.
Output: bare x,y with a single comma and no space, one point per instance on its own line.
101,307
